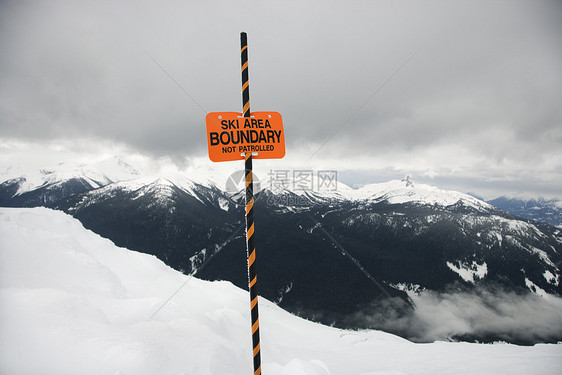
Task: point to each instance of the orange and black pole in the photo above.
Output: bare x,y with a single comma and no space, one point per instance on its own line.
251,250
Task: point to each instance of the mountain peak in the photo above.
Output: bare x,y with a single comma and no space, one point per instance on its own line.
96,175
405,191
408,181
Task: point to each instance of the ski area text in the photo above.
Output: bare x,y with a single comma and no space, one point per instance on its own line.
230,135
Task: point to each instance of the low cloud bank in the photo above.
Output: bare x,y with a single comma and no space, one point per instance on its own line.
484,314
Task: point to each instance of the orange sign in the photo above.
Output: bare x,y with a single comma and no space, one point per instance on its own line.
230,135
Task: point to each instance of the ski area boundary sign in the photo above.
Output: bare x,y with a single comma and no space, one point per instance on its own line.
230,135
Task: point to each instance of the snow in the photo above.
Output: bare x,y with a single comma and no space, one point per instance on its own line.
72,302
96,174
313,187
393,192
469,273
115,172
551,278
406,191
161,189
535,288
408,287
543,255
223,204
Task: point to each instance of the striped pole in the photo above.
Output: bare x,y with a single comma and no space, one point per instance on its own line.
251,251
245,82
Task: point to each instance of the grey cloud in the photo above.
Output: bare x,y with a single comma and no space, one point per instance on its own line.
486,313
484,76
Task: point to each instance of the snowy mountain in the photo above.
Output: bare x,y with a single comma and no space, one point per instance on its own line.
393,192
43,187
407,191
72,302
338,256
545,210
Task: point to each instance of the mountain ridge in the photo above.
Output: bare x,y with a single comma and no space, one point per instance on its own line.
369,245
546,210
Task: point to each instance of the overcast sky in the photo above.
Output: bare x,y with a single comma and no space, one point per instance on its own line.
465,95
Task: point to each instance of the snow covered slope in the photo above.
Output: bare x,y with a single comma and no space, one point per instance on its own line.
71,302
95,175
392,192
406,191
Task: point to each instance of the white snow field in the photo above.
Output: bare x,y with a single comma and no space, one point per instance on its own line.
74,303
